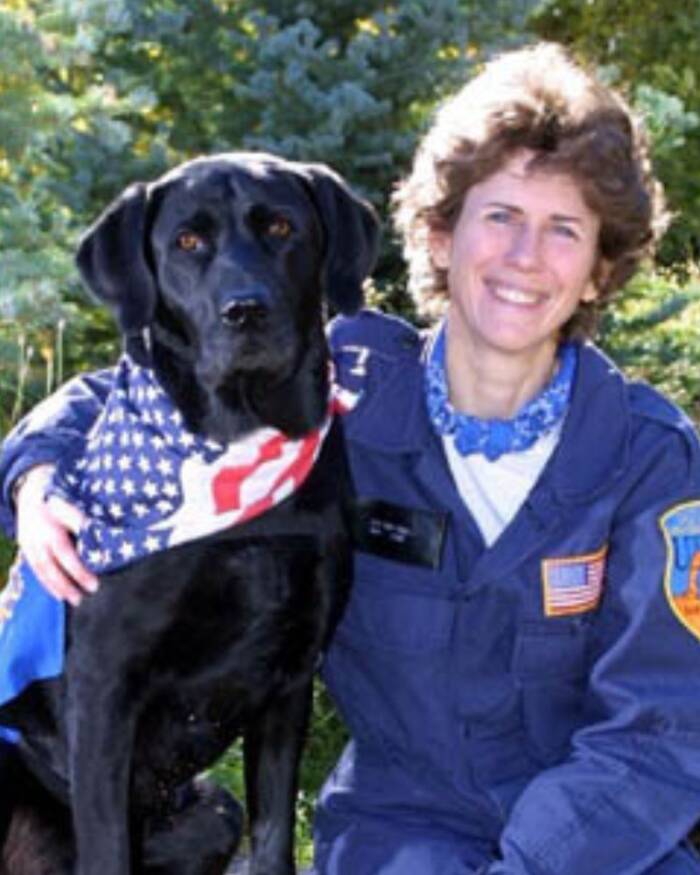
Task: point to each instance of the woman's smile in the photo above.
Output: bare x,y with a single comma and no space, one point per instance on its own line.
513,295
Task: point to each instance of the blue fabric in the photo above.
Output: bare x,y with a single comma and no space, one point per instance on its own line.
683,860
494,437
381,848
485,733
32,636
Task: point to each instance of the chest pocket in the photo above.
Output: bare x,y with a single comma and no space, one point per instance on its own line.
397,607
550,668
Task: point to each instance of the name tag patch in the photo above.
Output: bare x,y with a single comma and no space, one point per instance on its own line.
573,584
403,534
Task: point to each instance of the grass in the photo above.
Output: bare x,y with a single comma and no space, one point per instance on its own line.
7,554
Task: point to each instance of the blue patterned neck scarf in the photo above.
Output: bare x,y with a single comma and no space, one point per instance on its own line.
494,437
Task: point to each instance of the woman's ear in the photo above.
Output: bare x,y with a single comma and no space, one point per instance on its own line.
440,247
591,293
598,281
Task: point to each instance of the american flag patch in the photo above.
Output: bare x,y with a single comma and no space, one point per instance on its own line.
573,584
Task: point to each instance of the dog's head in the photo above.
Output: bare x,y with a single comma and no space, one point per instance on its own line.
224,262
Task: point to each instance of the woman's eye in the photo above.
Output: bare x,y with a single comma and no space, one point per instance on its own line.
499,217
279,227
188,241
565,231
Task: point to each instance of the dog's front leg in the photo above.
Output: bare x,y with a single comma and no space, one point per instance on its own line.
100,747
272,750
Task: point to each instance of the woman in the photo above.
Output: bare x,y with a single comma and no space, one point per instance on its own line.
518,667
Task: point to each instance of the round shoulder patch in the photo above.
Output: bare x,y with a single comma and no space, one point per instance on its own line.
681,529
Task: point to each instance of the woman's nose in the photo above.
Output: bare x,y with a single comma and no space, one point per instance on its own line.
524,251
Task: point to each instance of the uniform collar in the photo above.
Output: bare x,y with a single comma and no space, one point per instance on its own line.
391,416
593,451
594,448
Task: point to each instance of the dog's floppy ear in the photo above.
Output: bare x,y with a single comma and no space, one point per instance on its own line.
112,260
352,237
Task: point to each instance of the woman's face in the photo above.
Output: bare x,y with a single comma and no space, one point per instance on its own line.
519,260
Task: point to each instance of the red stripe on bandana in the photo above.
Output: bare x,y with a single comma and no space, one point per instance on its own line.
227,484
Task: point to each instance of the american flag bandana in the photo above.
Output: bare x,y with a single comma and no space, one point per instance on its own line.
145,482
573,584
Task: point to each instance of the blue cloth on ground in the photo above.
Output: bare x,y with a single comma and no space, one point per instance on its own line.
32,636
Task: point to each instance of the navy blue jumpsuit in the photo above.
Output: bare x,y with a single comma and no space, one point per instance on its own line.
532,708
490,721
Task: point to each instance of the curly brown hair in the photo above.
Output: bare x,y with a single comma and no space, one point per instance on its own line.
539,99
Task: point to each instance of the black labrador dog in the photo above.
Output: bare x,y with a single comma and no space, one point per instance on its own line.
217,274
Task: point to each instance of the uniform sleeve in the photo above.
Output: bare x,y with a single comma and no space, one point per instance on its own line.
56,426
629,790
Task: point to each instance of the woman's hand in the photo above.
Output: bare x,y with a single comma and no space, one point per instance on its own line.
44,530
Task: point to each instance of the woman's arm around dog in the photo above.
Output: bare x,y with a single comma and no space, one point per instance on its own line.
43,529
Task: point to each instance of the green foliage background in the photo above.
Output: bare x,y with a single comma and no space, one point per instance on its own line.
97,93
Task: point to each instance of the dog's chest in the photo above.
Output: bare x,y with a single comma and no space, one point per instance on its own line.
220,630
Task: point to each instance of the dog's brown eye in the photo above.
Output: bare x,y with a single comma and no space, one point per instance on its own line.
189,241
279,227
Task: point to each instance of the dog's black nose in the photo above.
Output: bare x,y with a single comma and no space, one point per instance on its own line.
244,313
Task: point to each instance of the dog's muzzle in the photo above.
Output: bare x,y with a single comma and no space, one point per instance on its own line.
244,313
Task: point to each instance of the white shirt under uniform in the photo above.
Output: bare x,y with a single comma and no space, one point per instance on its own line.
494,490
